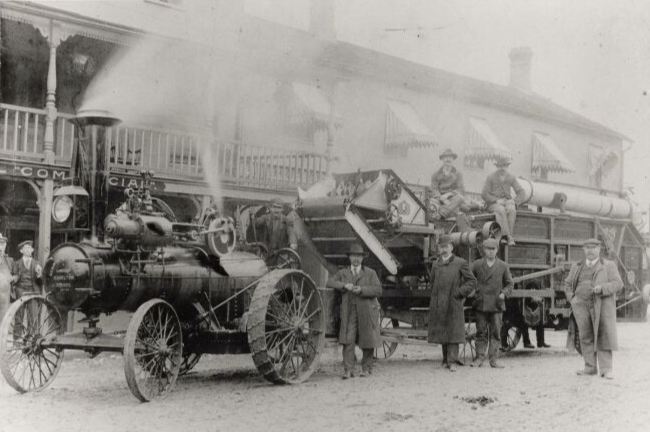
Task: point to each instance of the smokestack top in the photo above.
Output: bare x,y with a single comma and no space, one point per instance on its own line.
520,68
97,117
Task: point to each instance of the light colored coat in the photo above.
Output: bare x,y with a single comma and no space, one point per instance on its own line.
366,302
604,320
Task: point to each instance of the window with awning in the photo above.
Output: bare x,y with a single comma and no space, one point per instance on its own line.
483,144
309,107
405,129
547,157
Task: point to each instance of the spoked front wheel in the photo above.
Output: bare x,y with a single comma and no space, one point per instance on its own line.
286,327
26,361
153,350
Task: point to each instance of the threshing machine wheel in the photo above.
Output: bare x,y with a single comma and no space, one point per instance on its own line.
26,363
153,350
190,359
467,350
286,258
387,348
510,336
286,326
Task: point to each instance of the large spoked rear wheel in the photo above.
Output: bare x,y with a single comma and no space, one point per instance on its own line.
153,350
286,258
26,362
286,327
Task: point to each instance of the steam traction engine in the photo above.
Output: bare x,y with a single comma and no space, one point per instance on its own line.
190,291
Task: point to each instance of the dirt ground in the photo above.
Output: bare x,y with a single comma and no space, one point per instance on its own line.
538,391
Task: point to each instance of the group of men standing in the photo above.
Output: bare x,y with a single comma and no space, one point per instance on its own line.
20,277
591,288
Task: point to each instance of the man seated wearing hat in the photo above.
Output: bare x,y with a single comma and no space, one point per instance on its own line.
498,199
6,277
493,284
359,312
451,281
277,229
447,188
26,271
591,288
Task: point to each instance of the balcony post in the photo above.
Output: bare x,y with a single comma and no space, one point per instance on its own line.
50,104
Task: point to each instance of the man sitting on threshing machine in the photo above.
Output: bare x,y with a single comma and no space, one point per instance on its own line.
498,199
448,189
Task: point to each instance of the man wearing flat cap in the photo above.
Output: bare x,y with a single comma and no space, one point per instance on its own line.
498,198
451,281
6,277
447,187
493,285
591,287
26,271
360,311
277,229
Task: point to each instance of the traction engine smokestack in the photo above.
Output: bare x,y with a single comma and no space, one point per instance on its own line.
90,163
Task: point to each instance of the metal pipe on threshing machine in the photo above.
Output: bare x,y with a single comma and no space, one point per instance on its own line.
548,195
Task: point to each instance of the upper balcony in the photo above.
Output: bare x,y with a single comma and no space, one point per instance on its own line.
172,155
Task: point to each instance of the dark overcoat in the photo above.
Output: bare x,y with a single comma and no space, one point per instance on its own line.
451,282
490,282
27,282
604,319
277,231
368,309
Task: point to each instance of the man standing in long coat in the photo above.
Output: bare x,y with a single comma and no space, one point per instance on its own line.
451,282
359,311
591,287
493,285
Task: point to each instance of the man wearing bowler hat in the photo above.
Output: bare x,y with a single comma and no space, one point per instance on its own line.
447,187
493,285
498,199
359,311
6,277
26,271
451,282
591,287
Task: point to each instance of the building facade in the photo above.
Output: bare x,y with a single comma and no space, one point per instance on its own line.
275,108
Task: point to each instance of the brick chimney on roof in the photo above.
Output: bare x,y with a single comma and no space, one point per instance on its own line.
321,18
520,65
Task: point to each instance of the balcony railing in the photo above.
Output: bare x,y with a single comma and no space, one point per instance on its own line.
168,153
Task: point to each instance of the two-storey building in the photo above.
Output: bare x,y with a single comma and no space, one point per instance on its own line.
279,107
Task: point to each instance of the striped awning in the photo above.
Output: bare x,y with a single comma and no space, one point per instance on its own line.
405,129
310,107
548,157
602,160
483,144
